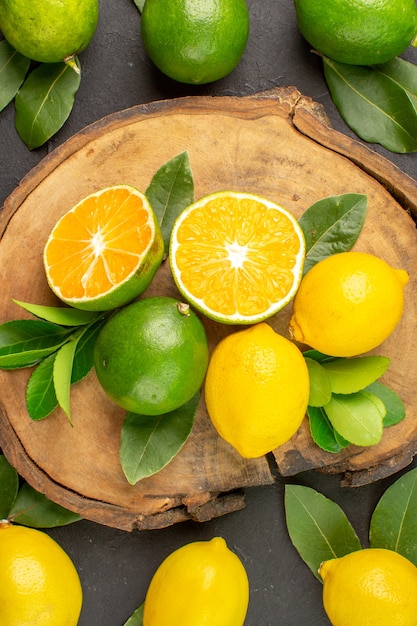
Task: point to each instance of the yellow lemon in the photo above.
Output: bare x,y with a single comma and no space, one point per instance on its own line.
370,587
348,304
38,581
203,583
257,388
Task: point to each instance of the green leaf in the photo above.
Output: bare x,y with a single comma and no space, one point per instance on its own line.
171,190
322,432
320,389
63,316
354,374
62,373
394,521
136,618
45,101
332,225
13,69
317,356
150,442
395,409
32,508
140,4
317,526
41,398
373,105
403,73
9,485
25,342
358,417
84,353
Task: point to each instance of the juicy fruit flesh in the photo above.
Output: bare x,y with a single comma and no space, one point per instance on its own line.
237,257
95,246
201,583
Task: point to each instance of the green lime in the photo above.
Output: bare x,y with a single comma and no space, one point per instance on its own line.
46,30
195,41
358,32
151,356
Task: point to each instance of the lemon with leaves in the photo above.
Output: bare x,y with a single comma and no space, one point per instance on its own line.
203,583
370,587
358,32
39,583
46,30
348,303
257,389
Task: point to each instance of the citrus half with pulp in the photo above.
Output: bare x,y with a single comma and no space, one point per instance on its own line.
358,32
257,388
46,30
151,356
200,584
237,257
370,587
195,42
348,304
39,583
105,251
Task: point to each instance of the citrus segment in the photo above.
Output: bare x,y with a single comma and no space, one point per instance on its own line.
104,251
237,257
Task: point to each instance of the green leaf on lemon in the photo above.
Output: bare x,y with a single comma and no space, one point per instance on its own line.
170,191
351,375
322,432
317,526
25,342
45,101
320,388
373,105
394,406
13,69
149,442
136,619
33,509
358,417
332,225
9,483
63,316
394,521
41,398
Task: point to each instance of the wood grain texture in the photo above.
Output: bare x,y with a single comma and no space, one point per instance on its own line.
277,144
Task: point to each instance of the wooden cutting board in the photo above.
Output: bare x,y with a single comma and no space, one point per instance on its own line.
277,144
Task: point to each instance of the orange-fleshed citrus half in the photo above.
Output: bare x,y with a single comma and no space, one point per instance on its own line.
105,251
237,257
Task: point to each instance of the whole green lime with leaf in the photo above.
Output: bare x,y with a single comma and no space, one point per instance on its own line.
151,356
358,32
46,30
195,41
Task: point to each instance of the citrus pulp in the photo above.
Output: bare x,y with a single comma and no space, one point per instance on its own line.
105,251
38,581
195,41
348,304
358,32
370,587
151,356
237,257
257,388
46,30
202,583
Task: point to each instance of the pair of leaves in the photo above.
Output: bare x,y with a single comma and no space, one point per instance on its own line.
320,530
378,103
44,96
24,505
346,403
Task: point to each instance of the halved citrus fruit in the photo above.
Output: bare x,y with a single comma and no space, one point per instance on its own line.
105,251
237,257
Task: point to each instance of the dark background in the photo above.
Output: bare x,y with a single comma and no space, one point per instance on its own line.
115,566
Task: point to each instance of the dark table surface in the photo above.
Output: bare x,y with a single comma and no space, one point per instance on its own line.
116,566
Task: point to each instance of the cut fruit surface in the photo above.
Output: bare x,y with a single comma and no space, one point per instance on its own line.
105,251
237,257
